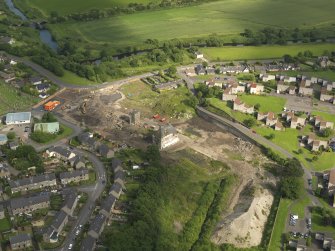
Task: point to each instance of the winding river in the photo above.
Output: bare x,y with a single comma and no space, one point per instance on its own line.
45,35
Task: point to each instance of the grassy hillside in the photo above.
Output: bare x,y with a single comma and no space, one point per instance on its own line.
226,18
169,203
263,52
13,100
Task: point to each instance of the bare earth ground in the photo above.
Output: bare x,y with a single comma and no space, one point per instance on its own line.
243,222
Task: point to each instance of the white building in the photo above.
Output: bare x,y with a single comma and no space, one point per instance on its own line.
18,118
168,136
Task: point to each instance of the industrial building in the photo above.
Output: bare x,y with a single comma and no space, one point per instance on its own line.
18,118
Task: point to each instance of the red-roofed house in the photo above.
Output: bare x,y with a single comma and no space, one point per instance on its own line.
256,88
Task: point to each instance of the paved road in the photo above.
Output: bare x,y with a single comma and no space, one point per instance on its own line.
94,193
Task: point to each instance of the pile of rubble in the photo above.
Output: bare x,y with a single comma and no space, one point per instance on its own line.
242,146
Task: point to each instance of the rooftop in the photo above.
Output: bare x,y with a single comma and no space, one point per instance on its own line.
73,174
24,202
32,180
19,116
98,223
19,238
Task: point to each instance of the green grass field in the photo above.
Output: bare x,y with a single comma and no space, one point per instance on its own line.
267,103
75,79
279,225
227,18
223,105
13,100
263,52
64,7
299,206
325,116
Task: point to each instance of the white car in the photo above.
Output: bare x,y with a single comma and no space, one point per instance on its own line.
70,246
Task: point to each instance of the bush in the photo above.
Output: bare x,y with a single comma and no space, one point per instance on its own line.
11,135
327,132
249,122
42,137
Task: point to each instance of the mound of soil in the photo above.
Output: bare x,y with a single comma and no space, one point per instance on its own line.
244,227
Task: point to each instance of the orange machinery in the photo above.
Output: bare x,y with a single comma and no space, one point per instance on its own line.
51,105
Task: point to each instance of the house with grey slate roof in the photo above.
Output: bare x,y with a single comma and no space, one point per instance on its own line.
105,152
32,183
88,244
70,205
57,226
60,153
108,205
97,226
116,190
2,212
20,241
116,164
30,204
119,177
78,162
74,176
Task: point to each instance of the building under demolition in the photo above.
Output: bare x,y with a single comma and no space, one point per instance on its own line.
167,136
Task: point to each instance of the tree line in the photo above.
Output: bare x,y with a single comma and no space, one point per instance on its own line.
95,14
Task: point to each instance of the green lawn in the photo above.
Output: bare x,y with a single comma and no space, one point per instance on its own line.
67,131
318,224
287,139
299,206
325,161
4,225
267,103
74,79
325,116
279,225
225,106
264,52
227,18
12,100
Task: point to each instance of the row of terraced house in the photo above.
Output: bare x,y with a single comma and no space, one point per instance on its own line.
105,214
303,86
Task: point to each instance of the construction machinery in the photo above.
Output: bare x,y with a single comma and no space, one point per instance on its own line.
51,105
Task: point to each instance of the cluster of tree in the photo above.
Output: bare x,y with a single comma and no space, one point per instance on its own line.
250,122
193,227
326,215
214,214
95,14
203,91
24,157
271,35
48,117
290,173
